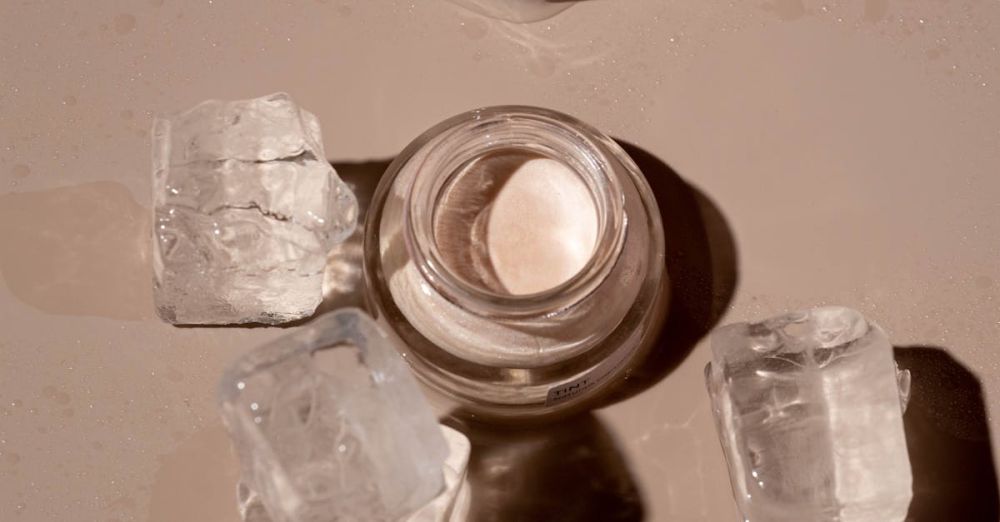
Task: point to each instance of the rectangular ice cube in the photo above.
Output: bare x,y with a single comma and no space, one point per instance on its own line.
451,505
809,413
246,208
329,425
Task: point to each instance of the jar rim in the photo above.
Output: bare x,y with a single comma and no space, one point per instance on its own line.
483,131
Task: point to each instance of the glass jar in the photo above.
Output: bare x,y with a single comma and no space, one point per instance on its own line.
518,255
518,11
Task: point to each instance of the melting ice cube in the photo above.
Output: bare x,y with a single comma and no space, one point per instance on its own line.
246,208
329,424
808,408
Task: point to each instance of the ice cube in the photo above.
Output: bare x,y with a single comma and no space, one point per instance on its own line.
808,408
246,208
329,424
451,505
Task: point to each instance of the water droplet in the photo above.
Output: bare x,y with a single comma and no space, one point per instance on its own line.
124,23
20,171
474,28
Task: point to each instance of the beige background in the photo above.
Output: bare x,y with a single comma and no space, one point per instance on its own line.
849,149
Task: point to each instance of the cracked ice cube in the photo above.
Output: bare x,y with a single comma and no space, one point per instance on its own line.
808,409
246,208
329,424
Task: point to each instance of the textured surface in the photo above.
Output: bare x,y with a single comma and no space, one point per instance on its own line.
809,414
851,152
329,424
246,209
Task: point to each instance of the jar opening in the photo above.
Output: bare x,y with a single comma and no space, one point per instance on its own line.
515,214
515,222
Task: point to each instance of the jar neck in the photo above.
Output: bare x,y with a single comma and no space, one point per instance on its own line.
459,141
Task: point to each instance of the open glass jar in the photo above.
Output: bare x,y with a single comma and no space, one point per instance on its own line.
518,254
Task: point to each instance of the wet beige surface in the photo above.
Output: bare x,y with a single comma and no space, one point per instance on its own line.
834,152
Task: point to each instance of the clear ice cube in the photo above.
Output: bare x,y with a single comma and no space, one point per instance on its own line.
451,505
329,424
808,409
246,208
